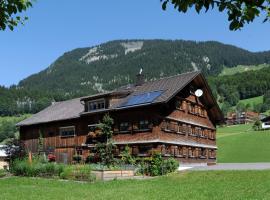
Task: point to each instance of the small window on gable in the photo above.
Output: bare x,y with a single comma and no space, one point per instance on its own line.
68,131
96,105
179,104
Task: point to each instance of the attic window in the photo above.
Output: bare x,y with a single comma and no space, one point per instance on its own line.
96,105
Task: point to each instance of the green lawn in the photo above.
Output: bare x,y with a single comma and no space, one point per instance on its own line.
252,101
241,144
188,185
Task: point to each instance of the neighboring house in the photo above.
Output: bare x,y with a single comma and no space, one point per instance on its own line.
163,115
3,157
266,123
241,117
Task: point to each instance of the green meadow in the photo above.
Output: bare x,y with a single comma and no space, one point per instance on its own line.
186,185
241,144
241,68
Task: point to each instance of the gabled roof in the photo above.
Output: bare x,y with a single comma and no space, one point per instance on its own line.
74,108
57,111
169,86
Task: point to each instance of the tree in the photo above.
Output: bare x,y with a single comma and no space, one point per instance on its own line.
241,107
257,125
9,12
105,150
225,108
239,12
14,149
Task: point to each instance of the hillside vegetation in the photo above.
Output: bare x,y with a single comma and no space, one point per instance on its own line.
90,70
241,68
8,127
240,144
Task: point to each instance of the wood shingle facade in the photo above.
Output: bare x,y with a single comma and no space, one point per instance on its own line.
163,115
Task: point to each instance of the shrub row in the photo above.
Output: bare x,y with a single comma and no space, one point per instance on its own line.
36,168
40,168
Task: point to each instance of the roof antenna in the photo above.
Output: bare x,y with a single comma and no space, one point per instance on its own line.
141,71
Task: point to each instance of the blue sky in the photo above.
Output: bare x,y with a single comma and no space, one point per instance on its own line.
55,27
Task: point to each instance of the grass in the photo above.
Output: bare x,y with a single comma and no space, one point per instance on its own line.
189,185
252,101
240,144
241,68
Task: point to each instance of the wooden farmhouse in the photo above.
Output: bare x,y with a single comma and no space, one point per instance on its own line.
165,115
241,117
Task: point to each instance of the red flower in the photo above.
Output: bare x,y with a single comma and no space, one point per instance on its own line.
51,157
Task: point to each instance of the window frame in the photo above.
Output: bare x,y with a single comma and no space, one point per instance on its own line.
67,127
128,127
144,124
96,102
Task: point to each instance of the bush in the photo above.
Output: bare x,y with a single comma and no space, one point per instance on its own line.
126,156
170,165
257,125
37,168
77,158
156,165
3,173
77,172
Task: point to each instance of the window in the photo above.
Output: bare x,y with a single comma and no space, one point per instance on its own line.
143,124
199,132
144,150
189,129
68,131
191,108
182,128
51,134
212,154
124,126
202,153
179,104
191,153
167,150
96,105
79,151
180,151
169,126
92,128
211,135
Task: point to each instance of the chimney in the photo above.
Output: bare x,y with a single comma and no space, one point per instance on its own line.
139,78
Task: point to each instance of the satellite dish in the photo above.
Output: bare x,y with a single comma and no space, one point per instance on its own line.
198,93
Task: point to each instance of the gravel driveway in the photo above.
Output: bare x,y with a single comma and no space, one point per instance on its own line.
233,166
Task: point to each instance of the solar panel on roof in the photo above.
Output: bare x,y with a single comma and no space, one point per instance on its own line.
147,97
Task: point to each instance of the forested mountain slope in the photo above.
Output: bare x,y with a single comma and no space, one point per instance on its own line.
86,71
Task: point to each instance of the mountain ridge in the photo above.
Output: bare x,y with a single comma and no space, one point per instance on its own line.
89,70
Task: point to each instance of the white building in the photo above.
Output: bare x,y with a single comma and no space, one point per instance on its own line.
3,156
266,123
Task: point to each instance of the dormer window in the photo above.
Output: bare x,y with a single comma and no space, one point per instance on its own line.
96,105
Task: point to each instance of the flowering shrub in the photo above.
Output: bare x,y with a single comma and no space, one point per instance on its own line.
51,158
